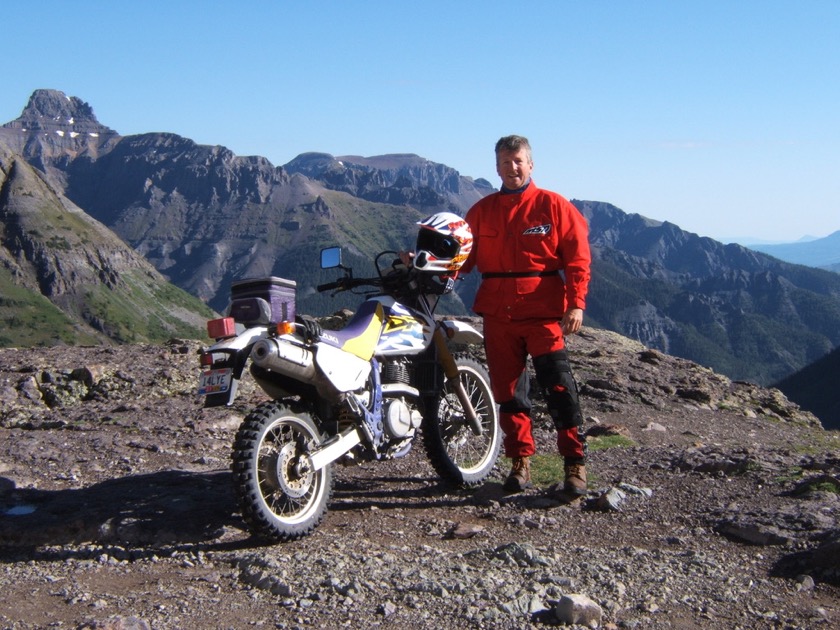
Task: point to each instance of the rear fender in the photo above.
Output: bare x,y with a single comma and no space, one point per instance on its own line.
243,340
232,353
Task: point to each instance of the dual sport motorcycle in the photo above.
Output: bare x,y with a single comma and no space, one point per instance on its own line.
364,393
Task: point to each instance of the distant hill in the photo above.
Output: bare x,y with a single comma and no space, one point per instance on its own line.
205,217
814,388
822,252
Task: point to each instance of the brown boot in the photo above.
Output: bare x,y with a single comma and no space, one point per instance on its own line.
519,478
575,482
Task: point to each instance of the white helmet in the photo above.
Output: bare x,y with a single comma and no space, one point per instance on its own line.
443,243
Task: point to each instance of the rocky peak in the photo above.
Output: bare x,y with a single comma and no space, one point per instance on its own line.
54,126
53,110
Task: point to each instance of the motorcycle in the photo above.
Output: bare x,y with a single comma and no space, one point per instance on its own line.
359,394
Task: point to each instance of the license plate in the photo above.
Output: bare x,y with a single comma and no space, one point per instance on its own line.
215,381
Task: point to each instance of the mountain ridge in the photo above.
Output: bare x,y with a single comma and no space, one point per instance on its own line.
820,252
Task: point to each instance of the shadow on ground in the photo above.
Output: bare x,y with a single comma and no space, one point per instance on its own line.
161,508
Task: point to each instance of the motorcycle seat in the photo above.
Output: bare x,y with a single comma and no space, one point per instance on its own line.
361,334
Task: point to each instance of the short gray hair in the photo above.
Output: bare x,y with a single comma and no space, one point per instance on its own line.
513,143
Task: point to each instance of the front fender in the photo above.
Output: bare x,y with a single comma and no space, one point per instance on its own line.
461,332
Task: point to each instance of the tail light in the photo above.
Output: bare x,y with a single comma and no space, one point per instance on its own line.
221,328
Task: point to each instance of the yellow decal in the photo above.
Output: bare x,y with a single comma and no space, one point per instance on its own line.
396,322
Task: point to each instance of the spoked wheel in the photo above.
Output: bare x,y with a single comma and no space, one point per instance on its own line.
457,454
280,496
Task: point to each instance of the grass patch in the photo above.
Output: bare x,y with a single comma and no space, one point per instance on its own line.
822,442
547,470
602,442
824,485
29,319
816,483
793,474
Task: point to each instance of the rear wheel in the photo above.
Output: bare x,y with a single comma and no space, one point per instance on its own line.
280,496
457,454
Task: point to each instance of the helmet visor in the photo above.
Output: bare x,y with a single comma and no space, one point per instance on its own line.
438,245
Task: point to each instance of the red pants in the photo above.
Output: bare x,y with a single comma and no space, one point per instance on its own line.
508,344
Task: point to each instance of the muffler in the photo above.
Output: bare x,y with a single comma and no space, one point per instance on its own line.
284,358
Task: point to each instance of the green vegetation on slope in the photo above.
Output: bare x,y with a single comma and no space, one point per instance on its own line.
29,319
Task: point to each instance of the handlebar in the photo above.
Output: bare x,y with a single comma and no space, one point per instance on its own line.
328,286
399,280
346,283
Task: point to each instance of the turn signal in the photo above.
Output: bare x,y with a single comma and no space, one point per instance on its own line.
285,328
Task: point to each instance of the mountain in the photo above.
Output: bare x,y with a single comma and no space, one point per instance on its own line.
822,252
66,278
748,315
205,217
405,179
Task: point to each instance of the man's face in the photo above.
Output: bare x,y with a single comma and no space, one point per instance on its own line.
514,167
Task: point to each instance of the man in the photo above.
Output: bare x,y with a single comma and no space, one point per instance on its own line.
524,238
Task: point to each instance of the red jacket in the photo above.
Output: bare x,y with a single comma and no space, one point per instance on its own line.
532,231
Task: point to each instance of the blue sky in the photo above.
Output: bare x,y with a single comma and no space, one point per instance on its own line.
720,117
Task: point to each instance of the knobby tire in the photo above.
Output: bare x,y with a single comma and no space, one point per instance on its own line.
458,455
280,500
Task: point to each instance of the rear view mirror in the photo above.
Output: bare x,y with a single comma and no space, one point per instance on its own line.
330,257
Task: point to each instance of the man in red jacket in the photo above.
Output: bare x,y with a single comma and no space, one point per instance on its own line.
531,247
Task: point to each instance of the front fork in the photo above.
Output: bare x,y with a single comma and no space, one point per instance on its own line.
453,379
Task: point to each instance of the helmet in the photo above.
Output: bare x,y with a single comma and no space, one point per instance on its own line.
443,243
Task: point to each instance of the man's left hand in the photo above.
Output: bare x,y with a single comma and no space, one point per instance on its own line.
572,321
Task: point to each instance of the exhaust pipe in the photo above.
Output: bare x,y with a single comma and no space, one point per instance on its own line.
284,358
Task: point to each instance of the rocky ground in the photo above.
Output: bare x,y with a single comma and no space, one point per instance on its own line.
720,510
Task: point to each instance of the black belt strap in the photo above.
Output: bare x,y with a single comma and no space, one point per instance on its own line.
519,274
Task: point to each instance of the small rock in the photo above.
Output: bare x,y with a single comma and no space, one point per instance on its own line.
119,623
610,501
465,530
578,609
753,533
631,489
608,429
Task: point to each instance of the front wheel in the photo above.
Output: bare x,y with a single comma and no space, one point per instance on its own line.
457,454
280,496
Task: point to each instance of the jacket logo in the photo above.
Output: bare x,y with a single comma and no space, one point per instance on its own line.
539,229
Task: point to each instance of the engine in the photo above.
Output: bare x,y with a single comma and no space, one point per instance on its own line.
399,415
400,418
